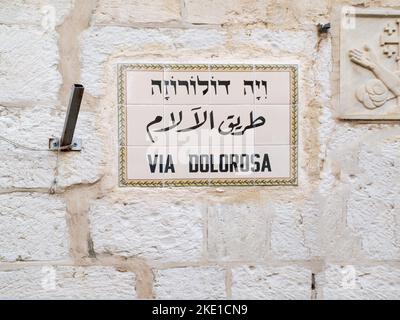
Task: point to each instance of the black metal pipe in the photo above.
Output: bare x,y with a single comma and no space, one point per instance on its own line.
72,115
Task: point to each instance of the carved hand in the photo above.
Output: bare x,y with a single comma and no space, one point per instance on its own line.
366,58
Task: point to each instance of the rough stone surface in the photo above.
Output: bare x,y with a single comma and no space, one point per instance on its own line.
136,11
29,12
196,242
373,204
32,127
278,42
220,11
296,14
292,283
230,237
66,282
101,43
360,282
159,229
190,283
336,241
33,53
32,227
293,229
367,193
285,14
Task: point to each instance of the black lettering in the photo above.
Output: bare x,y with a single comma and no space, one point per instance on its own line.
193,163
170,165
234,163
244,163
266,164
223,163
213,169
255,163
204,165
152,163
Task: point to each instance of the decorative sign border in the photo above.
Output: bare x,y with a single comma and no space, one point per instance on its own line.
291,181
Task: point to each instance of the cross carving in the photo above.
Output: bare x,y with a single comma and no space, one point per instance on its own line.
390,40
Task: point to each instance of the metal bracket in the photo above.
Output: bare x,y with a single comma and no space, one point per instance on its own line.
323,28
67,141
54,144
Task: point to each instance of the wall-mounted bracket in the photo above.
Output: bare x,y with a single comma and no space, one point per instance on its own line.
76,145
323,27
67,141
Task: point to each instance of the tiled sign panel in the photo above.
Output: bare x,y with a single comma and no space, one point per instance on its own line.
188,125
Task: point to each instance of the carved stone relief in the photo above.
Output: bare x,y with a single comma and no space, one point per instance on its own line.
370,64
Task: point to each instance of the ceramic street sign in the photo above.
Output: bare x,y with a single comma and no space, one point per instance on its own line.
188,125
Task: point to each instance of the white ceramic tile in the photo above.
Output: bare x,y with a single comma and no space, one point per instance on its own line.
232,87
227,162
272,87
188,163
190,125
147,163
186,87
174,163
233,125
277,127
279,159
251,162
213,136
143,87
143,124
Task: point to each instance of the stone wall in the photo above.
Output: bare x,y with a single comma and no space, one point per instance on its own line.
68,231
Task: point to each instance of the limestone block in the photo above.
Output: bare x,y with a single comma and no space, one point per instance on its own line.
66,282
33,227
28,65
190,283
359,282
237,232
153,228
42,13
32,127
270,283
136,11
